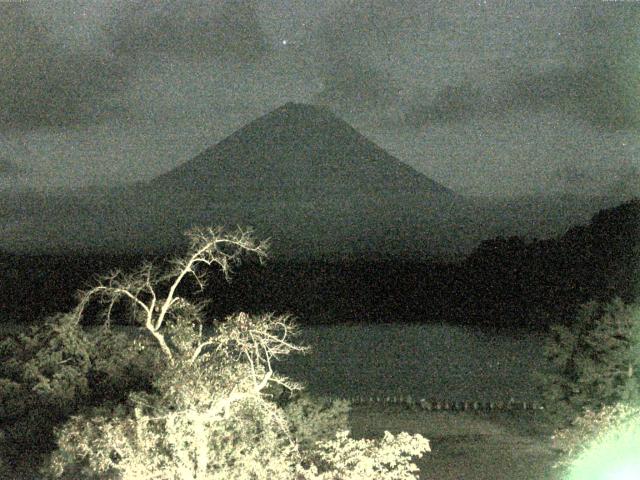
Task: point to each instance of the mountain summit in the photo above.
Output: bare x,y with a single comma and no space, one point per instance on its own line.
298,175
297,151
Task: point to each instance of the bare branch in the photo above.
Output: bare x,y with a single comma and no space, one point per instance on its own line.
207,247
200,347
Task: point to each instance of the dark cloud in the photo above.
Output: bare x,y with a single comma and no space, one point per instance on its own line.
602,84
44,83
354,84
225,30
357,41
8,152
611,55
564,88
8,168
46,80
592,94
452,103
620,180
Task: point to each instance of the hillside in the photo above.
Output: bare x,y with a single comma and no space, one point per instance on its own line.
298,175
297,152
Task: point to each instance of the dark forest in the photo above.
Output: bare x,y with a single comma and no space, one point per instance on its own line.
503,283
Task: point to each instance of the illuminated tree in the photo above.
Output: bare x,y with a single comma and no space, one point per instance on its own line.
210,414
593,362
600,445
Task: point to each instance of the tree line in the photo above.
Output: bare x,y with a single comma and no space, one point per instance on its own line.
504,282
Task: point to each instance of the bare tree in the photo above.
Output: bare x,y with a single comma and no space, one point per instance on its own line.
208,247
208,407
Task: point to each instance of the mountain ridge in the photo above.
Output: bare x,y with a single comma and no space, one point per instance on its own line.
266,157
298,175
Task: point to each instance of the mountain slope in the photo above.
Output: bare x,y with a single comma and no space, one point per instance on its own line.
297,151
312,183
298,175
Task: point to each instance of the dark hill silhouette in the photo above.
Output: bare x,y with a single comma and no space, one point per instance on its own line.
298,151
503,283
299,175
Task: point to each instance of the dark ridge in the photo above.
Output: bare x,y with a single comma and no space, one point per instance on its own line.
299,151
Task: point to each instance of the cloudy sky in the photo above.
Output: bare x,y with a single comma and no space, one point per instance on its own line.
486,97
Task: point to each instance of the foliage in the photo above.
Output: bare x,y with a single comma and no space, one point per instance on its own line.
5,471
593,362
312,419
591,427
63,365
251,440
52,361
389,459
55,371
240,441
599,444
42,378
209,413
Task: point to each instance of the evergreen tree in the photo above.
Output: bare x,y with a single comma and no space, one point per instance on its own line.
594,361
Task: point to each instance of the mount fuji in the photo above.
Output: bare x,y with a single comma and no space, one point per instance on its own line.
298,175
297,152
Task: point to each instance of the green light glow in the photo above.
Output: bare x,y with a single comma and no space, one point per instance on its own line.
623,473
614,456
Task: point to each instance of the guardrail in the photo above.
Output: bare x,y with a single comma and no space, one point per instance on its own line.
442,405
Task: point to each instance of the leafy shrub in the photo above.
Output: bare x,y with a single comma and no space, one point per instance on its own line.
604,442
314,419
594,362
42,378
58,369
5,471
63,366
249,438
242,442
12,403
121,366
591,427
389,459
